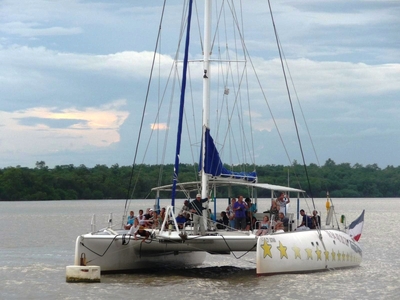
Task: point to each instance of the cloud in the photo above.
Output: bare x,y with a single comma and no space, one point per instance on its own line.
31,131
159,126
35,29
65,62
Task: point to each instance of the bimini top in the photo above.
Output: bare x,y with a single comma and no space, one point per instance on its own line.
219,182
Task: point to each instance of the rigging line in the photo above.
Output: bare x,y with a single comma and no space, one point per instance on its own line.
195,172
263,93
130,238
160,175
173,68
221,77
236,107
150,138
157,117
145,105
302,112
175,71
229,73
247,90
105,251
291,104
199,26
158,99
301,109
174,241
239,78
224,78
219,16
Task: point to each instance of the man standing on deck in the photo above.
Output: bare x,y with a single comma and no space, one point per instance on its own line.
196,207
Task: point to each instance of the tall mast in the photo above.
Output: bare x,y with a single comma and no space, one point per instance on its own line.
206,91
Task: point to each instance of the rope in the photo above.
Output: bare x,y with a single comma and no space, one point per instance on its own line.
291,104
129,192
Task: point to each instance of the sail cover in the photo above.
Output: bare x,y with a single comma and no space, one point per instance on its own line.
214,166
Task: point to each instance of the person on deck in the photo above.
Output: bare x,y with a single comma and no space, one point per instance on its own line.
142,218
161,216
185,208
131,219
240,214
316,220
143,233
134,227
250,214
148,213
196,207
231,214
224,221
264,226
274,210
153,221
282,201
188,218
282,222
306,222
180,220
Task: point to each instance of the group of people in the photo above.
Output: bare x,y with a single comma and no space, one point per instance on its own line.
308,222
281,223
153,220
239,215
150,219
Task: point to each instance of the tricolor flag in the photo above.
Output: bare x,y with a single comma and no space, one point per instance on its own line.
356,227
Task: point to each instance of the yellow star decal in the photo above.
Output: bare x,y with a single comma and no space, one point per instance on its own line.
347,256
282,250
296,252
309,253
267,249
326,255
338,256
333,255
343,256
318,252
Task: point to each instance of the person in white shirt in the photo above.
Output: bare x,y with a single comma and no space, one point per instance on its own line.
282,201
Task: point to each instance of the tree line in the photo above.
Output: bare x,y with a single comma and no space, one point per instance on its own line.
69,182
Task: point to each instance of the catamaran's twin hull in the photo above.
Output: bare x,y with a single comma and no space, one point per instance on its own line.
285,252
122,252
306,251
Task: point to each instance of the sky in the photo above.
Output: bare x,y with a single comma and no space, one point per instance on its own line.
74,72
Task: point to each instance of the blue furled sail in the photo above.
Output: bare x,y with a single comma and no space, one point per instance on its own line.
214,166
181,106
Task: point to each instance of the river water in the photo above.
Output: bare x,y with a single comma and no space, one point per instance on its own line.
38,238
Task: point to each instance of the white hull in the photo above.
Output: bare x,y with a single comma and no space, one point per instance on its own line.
109,251
305,251
286,252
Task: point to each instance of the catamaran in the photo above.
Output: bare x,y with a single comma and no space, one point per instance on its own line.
114,249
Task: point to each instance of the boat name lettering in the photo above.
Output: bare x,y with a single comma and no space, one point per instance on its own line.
271,240
338,237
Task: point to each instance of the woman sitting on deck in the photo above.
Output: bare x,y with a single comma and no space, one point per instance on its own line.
264,226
